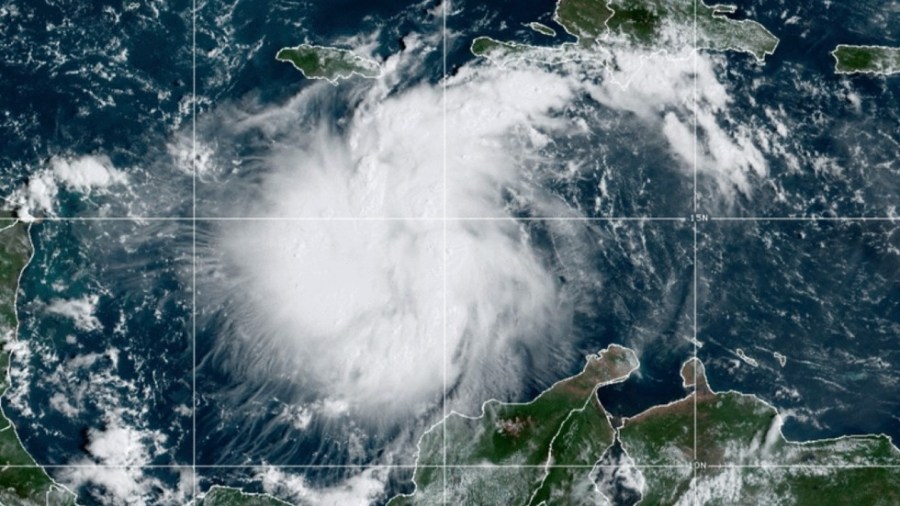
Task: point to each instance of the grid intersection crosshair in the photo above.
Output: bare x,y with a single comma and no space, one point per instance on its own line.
194,219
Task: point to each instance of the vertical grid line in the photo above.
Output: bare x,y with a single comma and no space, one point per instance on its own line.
694,56
444,242
194,477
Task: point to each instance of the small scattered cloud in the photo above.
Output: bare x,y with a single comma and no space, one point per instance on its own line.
80,311
359,490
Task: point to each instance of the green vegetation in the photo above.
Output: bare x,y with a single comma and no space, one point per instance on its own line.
661,435
564,426
224,496
328,63
662,23
837,487
866,59
22,481
734,431
482,46
636,21
580,433
655,24
789,486
853,58
585,19
516,453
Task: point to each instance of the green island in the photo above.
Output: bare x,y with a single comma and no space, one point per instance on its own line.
483,46
508,454
22,480
227,496
742,457
651,24
328,63
879,60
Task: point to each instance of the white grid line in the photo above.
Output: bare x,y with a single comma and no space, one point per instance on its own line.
444,242
451,466
194,478
682,219
694,265
805,218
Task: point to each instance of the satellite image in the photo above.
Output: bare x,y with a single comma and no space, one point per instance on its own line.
450,252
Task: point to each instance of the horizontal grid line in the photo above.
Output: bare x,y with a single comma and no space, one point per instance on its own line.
804,218
361,218
460,218
452,466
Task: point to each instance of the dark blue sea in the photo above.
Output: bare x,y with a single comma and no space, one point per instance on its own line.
116,79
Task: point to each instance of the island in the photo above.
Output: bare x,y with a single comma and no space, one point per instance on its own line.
743,458
486,46
542,29
22,480
879,60
328,63
652,24
540,452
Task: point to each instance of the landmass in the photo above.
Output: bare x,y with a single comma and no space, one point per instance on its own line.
654,24
542,29
22,480
328,63
483,46
543,452
743,458
510,453
879,60
226,496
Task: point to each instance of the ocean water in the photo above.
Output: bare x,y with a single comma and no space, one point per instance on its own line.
824,295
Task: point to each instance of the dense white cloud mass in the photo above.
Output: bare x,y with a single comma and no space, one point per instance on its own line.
350,293
390,162
368,289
